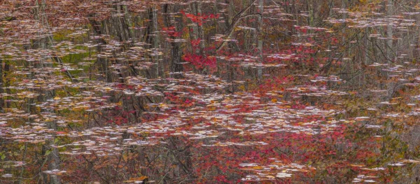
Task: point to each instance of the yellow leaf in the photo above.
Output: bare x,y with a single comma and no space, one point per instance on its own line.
257,167
211,108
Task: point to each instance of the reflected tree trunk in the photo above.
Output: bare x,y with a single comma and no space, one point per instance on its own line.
260,38
176,51
390,35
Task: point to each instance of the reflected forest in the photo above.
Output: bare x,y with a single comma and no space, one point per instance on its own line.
209,91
